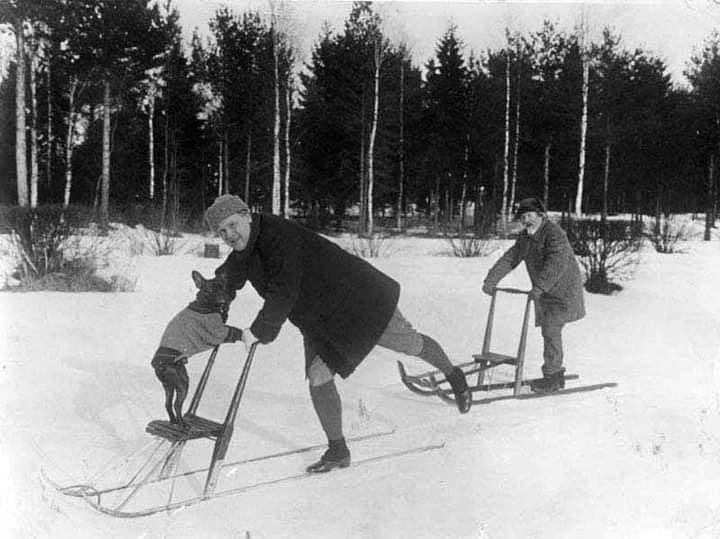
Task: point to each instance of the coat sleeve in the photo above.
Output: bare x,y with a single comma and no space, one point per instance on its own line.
235,271
505,264
555,260
283,270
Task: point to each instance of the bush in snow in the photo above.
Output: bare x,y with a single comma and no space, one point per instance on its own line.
668,234
161,242
373,246
468,244
607,251
50,252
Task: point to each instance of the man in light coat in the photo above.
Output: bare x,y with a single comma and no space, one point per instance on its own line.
557,286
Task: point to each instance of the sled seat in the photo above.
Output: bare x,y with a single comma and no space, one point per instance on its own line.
493,358
196,427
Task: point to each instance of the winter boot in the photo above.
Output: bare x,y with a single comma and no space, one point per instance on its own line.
337,456
549,383
463,395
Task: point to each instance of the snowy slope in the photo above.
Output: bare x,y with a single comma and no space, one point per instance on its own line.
638,460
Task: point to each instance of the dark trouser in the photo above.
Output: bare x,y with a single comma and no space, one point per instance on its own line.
552,349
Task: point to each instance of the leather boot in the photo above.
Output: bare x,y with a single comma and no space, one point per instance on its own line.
336,456
463,395
549,383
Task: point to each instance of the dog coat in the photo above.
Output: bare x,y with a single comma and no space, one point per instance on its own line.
191,332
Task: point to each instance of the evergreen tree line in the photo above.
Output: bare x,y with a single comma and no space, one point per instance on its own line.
105,106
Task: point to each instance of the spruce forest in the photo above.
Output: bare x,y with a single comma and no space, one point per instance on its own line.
108,108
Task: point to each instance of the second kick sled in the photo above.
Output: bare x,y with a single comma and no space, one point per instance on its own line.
434,383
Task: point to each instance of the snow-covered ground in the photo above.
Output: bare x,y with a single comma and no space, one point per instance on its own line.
641,459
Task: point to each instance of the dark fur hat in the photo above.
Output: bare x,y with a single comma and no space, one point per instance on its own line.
529,204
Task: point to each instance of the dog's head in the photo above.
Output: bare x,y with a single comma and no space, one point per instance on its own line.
215,294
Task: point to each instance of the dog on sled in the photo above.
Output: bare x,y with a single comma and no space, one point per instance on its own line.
198,327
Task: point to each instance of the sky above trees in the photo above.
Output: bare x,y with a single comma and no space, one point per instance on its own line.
668,28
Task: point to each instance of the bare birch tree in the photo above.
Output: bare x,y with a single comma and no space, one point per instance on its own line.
378,53
516,138
34,171
506,152
401,144
20,140
276,113
288,152
585,56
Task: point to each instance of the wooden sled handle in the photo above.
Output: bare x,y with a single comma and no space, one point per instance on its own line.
512,290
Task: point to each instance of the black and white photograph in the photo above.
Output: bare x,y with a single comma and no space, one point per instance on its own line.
380,269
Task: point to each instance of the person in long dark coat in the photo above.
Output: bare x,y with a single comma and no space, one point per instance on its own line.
557,286
342,305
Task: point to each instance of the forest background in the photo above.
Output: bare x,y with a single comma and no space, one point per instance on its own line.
109,107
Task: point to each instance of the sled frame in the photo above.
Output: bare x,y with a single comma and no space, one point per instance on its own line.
428,383
172,439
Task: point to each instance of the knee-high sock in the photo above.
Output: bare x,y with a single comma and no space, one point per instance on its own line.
328,408
433,353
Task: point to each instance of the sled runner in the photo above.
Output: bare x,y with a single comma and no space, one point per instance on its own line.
156,477
434,383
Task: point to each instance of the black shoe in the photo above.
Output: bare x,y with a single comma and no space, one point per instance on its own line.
549,383
337,456
463,395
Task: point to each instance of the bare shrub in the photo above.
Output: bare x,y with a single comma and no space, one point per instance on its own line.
373,246
467,244
607,251
668,234
162,242
49,251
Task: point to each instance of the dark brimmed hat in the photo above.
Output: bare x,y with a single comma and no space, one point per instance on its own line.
223,207
529,204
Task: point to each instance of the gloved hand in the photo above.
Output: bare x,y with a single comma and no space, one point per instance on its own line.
488,288
248,339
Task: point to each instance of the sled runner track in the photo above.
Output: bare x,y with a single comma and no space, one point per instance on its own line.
90,493
85,490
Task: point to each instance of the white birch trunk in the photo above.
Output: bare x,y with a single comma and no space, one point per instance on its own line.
221,176
105,186
276,129
546,175
288,153
34,173
20,141
50,142
583,132
506,153
373,134
151,143
516,146
69,141
401,149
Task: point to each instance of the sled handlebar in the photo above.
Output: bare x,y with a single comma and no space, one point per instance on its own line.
512,290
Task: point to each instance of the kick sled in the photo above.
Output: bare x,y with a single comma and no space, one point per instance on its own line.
434,383
152,488
161,465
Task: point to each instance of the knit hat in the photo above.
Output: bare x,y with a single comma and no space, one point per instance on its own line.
223,207
529,204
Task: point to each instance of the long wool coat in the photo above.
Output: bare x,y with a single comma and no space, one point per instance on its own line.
553,269
340,303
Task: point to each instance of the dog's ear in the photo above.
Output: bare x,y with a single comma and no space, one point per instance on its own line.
198,279
222,278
